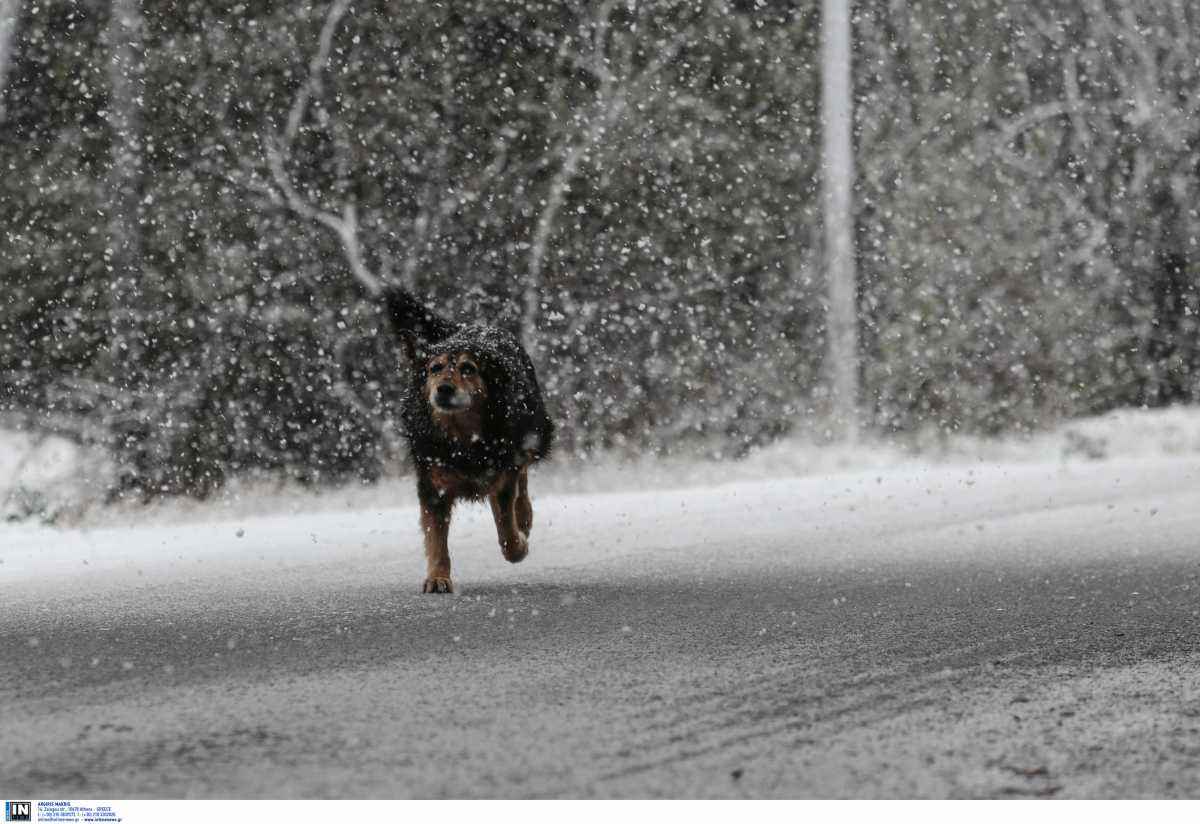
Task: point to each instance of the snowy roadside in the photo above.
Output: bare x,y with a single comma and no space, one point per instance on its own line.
46,477
829,518
53,477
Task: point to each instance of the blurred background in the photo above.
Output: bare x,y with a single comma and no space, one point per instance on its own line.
193,196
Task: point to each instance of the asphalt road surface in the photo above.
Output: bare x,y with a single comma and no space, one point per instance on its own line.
1011,631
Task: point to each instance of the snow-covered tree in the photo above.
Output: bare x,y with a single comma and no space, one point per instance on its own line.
636,186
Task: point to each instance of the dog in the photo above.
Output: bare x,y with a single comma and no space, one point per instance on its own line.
475,421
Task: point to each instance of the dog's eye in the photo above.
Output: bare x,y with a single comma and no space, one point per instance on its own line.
467,368
434,368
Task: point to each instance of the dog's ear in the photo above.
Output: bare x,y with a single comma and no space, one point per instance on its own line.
408,316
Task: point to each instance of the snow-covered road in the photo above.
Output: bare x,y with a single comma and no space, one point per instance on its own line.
994,630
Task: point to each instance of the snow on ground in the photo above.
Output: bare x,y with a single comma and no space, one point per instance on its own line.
967,628
834,511
51,479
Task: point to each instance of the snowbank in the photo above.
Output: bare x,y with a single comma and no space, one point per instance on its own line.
877,515
48,478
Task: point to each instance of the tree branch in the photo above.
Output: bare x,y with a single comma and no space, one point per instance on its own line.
345,227
316,67
611,100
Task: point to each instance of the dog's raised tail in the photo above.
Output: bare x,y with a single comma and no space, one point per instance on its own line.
410,319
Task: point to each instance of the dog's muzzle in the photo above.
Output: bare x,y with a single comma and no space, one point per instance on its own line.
448,398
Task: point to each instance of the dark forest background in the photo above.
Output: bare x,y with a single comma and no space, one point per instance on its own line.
633,186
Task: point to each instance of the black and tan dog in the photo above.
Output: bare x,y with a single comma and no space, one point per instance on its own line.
475,422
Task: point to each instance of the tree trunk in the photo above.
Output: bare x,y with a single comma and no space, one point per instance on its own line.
10,13
837,105
125,64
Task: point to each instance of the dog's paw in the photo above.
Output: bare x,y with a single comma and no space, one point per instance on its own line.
515,551
438,585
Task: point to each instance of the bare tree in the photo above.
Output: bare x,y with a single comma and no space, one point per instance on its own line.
313,85
343,222
598,51
436,199
608,105
607,57
837,102
344,225
10,12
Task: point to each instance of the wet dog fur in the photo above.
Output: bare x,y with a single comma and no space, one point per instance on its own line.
475,421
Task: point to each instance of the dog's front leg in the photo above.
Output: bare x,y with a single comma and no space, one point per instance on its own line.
513,542
435,523
523,504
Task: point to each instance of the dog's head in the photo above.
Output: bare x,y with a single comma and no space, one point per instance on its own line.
455,385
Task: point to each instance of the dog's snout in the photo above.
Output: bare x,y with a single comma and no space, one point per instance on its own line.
447,397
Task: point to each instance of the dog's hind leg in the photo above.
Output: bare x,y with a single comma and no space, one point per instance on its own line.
513,542
524,506
435,524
